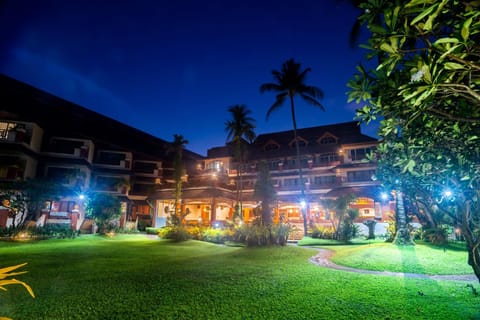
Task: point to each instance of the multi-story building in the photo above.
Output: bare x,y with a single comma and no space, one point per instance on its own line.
43,135
333,162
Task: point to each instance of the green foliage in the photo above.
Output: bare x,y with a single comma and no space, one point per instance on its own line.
323,232
49,231
257,235
390,230
264,192
104,209
219,236
437,236
99,274
425,92
174,233
234,282
178,145
152,230
348,230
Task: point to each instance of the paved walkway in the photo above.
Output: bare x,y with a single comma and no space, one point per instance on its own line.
323,258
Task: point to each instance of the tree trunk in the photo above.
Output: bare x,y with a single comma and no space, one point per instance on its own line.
472,241
402,236
299,165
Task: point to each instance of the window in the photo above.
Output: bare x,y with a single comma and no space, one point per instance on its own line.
144,167
356,176
108,183
111,158
62,175
328,140
327,158
360,154
290,182
323,180
5,127
301,143
215,165
270,146
64,146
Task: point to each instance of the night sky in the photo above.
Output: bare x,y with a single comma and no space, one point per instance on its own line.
175,67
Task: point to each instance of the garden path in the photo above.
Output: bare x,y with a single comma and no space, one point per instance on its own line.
323,258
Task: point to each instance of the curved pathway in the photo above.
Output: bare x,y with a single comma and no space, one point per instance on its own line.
323,258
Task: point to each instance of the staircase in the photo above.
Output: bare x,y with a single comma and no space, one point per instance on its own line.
86,227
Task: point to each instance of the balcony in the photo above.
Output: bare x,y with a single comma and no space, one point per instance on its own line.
113,160
150,169
69,148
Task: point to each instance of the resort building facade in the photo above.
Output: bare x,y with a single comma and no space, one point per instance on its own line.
42,135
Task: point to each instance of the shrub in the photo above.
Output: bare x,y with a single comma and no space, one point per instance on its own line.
347,231
195,232
280,233
59,231
213,235
255,235
152,230
322,232
437,236
174,233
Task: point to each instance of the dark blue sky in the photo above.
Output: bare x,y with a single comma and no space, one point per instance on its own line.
174,67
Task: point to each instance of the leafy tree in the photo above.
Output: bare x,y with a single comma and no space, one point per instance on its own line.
342,211
425,92
104,209
265,192
240,127
178,145
25,198
347,229
289,82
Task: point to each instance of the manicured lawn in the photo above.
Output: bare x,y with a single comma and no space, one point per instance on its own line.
380,256
133,277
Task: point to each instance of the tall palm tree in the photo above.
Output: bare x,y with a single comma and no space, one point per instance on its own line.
290,81
177,147
239,128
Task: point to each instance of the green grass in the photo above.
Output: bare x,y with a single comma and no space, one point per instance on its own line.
382,256
133,277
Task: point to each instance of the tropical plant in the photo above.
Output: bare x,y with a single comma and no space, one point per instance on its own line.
5,279
339,211
290,82
25,198
265,193
425,92
104,209
178,145
239,128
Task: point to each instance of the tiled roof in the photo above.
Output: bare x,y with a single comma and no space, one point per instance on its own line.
34,105
343,133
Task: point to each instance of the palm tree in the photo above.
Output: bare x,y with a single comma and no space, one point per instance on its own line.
240,127
177,147
290,81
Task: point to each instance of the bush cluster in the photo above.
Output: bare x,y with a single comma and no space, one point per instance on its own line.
437,236
49,231
260,235
322,232
250,235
